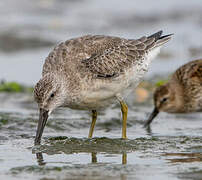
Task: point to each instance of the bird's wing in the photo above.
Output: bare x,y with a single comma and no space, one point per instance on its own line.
113,60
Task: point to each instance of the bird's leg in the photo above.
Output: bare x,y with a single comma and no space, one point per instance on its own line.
124,109
94,157
124,158
94,117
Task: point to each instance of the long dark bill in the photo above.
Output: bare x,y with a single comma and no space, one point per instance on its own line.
43,116
151,117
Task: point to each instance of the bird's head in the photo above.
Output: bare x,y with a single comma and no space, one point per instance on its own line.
49,94
164,100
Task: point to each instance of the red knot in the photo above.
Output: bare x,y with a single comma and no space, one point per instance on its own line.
182,93
92,72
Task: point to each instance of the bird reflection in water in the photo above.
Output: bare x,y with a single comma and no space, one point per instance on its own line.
94,157
149,130
41,162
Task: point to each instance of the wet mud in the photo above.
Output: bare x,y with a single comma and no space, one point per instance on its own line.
170,148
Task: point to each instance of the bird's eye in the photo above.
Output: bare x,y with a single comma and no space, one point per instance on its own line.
164,99
52,95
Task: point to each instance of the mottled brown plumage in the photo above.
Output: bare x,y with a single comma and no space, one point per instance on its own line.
101,56
182,93
91,72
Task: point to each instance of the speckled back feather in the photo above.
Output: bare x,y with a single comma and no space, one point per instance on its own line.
122,55
189,76
101,56
190,73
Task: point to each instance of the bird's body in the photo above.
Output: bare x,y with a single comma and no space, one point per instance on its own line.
189,78
182,93
94,74
91,72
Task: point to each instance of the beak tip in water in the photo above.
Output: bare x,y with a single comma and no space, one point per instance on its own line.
151,117
43,116
146,125
36,142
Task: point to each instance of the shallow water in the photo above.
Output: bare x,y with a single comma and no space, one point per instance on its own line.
170,149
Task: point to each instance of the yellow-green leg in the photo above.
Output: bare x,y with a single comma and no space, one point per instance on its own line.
124,110
94,117
124,158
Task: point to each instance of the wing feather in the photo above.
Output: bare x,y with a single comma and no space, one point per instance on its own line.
113,61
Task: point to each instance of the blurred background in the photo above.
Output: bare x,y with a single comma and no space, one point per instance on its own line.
31,28
170,149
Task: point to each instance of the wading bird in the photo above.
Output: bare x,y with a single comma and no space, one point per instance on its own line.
182,93
92,72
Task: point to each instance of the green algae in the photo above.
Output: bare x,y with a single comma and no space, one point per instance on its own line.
14,87
160,83
62,144
4,119
58,138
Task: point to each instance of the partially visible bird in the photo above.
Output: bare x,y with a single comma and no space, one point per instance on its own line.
182,93
91,72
